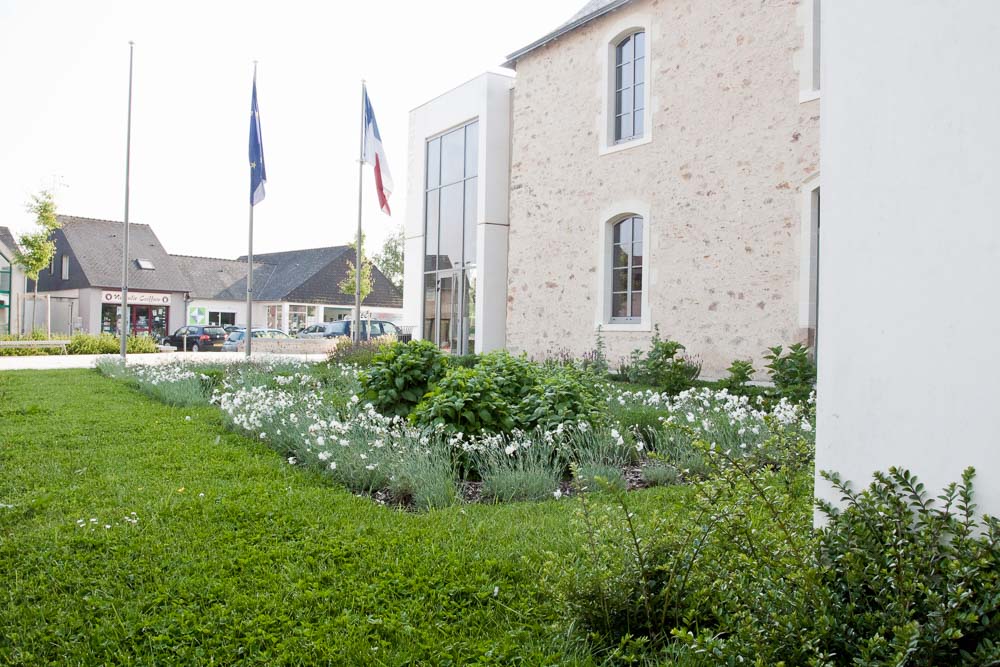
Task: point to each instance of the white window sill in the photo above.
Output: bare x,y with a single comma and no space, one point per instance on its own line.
625,145
612,327
808,96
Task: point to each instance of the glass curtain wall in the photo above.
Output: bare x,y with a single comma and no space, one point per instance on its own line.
450,239
5,291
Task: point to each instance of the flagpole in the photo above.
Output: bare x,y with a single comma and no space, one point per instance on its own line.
128,154
356,329
249,334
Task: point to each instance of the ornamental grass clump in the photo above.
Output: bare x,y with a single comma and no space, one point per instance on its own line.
423,475
601,454
658,473
521,466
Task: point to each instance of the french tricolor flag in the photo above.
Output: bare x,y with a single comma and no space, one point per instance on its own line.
375,156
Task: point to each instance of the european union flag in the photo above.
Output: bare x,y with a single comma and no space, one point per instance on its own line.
258,175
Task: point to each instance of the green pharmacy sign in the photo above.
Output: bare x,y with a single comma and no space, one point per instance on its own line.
197,315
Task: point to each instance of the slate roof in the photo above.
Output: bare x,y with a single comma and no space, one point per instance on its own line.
590,11
7,240
96,248
314,275
224,279
292,268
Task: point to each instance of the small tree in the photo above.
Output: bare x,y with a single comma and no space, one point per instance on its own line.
37,248
390,259
348,284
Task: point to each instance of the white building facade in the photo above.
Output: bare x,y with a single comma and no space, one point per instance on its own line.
910,255
457,221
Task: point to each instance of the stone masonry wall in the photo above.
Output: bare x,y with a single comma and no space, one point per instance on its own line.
731,146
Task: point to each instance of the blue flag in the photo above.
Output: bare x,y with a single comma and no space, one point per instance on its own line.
258,175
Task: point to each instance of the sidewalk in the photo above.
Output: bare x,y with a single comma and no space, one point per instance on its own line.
57,361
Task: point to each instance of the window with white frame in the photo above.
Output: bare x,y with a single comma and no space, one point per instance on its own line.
626,266
629,87
65,267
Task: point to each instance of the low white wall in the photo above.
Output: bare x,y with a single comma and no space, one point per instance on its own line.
910,242
296,346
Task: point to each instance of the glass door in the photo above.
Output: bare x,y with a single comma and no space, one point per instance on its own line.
142,322
446,313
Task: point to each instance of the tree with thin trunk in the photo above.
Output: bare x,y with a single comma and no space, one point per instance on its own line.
390,259
348,284
37,248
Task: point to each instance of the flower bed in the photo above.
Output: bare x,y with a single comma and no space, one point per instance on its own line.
312,414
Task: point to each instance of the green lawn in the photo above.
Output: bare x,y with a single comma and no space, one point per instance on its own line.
237,557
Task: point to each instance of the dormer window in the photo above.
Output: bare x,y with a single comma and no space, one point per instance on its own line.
145,264
630,70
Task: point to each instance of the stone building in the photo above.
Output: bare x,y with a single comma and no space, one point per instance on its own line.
654,163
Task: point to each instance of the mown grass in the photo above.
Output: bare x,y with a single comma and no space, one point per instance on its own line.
237,557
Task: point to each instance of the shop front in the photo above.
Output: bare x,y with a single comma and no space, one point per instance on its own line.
148,313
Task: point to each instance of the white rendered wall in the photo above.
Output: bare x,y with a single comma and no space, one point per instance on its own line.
487,98
910,242
215,305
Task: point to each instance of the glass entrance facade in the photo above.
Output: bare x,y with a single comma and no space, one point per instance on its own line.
5,300
450,207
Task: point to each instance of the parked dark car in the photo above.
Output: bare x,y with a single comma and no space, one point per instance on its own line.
199,338
343,328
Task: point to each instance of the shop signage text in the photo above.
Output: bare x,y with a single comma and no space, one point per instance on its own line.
137,298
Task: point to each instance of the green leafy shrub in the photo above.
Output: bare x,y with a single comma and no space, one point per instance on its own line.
895,578
909,579
464,360
662,366
793,372
467,400
654,576
37,334
105,343
503,392
401,374
559,395
740,373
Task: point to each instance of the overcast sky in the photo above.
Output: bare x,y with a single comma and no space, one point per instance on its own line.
64,83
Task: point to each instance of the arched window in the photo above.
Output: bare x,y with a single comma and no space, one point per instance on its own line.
626,270
630,64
